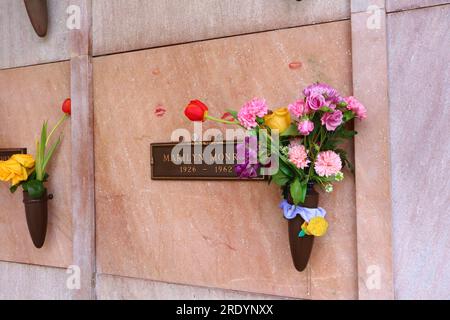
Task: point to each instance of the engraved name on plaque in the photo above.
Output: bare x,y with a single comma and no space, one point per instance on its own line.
195,161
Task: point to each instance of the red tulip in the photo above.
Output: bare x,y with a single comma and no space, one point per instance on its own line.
66,106
196,111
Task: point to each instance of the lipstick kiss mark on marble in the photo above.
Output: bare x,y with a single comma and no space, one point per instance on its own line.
160,111
295,65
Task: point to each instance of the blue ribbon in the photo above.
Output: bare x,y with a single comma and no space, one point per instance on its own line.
290,211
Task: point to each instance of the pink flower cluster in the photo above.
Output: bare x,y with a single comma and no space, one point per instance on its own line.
328,163
305,127
356,107
322,97
299,108
298,155
250,111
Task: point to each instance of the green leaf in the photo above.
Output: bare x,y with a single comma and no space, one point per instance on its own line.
41,152
296,191
291,131
35,189
346,134
32,176
326,109
342,104
280,178
13,189
348,115
49,155
285,169
304,190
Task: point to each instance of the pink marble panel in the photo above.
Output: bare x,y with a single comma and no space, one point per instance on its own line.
398,5
217,234
124,25
123,288
373,192
28,96
419,74
30,282
366,5
19,44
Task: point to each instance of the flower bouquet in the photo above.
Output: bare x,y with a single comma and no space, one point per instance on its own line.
30,173
308,137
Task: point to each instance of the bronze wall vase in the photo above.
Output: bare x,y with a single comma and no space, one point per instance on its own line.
36,211
301,247
38,14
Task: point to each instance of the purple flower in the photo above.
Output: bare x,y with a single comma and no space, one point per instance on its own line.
315,101
247,158
332,120
331,95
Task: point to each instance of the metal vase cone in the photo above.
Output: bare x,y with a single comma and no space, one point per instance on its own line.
301,248
38,13
36,214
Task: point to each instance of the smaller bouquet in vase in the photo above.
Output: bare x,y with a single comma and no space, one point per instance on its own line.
30,173
309,133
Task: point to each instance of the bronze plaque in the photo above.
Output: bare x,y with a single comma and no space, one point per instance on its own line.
200,167
5,154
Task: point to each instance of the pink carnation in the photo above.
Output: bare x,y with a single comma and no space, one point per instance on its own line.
252,109
305,127
328,163
298,155
332,120
299,108
357,107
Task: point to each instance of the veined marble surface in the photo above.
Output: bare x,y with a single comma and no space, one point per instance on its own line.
419,73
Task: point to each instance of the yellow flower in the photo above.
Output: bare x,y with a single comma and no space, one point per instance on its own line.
16,169
26,160
280,119
317,226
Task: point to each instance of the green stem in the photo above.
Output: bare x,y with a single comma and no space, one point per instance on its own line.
60,122
321,135
220,120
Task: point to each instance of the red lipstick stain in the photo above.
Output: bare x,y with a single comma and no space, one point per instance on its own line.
295,65
160,111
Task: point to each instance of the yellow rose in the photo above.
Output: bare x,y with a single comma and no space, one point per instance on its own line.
317,226
26,160
280,119
4,171
16,169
